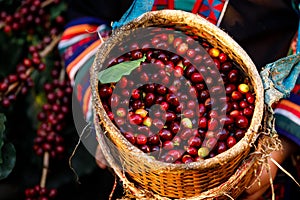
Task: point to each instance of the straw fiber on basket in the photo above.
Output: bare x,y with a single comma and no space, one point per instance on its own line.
176,180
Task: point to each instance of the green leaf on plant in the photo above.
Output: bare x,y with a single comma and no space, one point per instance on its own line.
8,160
10,53
7,152
57,10
1,145
115,73
2,129
7,2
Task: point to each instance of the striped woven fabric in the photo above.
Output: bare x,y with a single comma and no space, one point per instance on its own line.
78,46
80,42
287,115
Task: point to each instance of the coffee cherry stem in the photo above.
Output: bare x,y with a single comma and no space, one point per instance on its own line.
45,169
11,87
62,75
50,47
17,86
46,3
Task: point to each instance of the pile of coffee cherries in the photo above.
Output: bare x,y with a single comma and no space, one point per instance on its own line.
185,102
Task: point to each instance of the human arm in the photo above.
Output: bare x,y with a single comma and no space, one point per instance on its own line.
262,183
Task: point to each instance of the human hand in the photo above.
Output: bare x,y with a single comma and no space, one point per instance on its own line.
99,157
262,183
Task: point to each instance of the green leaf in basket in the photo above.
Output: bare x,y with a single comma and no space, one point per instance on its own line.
115,73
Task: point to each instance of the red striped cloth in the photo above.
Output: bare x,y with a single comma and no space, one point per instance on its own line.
78,47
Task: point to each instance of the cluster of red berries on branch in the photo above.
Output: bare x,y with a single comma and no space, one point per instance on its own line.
28,16
34,22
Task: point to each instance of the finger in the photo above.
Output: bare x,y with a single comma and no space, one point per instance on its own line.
100,160
258,193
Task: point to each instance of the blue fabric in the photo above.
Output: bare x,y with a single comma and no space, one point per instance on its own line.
137,8
288,135
281,75
294,98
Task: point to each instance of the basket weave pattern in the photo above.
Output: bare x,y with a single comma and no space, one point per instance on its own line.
177,180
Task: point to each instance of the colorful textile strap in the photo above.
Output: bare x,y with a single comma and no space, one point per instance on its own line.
80,41
78,46
287,115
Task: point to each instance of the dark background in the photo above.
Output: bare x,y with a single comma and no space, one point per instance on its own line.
21,125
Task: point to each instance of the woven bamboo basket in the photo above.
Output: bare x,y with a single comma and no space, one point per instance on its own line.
178,180
247,172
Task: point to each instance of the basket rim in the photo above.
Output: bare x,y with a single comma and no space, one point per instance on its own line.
224,39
